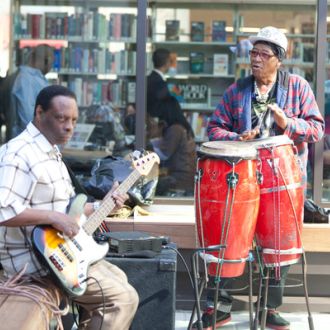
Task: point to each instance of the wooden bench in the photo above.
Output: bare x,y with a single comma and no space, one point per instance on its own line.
178,222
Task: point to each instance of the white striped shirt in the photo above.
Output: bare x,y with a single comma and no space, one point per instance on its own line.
32,175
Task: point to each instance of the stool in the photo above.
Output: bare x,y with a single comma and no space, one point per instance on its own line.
264,285
200,285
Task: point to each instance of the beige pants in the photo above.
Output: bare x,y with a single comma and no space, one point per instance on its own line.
112,307
109,302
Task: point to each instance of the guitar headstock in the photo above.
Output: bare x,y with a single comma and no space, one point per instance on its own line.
144,161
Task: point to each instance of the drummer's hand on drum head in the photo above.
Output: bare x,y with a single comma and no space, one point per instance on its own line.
249,135
279,115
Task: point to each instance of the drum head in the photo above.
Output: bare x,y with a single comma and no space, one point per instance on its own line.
277,140
225,149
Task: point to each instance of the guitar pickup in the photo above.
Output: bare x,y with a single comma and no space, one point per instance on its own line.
65,252
57,262
77,245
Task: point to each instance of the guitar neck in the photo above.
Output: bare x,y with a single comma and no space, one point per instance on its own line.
108,204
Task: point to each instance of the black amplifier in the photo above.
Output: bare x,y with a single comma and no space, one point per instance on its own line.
155,282
133,241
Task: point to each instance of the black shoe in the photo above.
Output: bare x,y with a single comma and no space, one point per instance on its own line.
207,319
275,321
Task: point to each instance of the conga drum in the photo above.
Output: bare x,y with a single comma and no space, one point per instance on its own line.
280,218
227,203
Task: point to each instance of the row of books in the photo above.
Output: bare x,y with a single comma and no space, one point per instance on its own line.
197,31
301,52
86,26
119,92
101,61
220,63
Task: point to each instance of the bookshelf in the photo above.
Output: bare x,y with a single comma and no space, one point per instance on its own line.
94,46
95,43
199,39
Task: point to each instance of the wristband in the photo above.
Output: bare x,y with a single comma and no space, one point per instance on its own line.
96,205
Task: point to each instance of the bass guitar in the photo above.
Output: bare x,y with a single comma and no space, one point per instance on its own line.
67,258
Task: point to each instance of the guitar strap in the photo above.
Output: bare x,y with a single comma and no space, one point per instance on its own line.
79,189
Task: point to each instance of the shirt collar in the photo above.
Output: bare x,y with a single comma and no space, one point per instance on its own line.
161,74
32,71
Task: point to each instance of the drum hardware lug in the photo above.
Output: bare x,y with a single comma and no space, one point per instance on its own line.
251,257
260,177
217,279
232,179
198,175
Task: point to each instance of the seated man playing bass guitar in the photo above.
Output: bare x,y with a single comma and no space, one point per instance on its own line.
35,193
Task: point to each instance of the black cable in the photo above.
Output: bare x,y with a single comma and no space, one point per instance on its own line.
74,316
184,262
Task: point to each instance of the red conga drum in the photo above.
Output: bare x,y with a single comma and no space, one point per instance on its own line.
280,218
227,202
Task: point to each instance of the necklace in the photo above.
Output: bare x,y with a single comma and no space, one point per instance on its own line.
262,98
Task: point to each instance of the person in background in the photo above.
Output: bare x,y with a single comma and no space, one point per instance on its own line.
177,150
157,89
129,120
288,102
29,81
36,189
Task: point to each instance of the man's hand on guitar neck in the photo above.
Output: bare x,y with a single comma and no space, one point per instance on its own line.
118,198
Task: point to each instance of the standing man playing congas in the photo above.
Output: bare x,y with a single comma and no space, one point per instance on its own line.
267,103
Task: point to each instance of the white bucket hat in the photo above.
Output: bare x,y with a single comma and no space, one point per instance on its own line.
271,34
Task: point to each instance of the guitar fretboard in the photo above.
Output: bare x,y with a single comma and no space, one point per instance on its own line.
108,204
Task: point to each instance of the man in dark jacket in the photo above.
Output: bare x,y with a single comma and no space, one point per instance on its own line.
158,92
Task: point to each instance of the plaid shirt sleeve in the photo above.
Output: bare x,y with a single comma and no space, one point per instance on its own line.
16,185
305,123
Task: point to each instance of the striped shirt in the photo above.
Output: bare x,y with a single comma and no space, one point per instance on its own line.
32,175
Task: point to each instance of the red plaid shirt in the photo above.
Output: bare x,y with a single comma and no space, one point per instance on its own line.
294,95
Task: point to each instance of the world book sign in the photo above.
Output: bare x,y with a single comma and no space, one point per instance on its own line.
190,94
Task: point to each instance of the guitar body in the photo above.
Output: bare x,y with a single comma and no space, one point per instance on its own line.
68,259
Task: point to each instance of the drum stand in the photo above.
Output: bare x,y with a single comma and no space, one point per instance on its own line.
200,283
263,286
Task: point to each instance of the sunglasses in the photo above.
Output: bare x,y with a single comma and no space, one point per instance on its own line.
264,56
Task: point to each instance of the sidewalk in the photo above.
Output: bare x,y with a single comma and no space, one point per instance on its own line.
240,321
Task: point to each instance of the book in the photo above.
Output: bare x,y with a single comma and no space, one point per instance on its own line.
173,63
220,64
188,94
219,31
297,50
307,27
197,31
198,123
308,52
196,62
172,29
131,92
